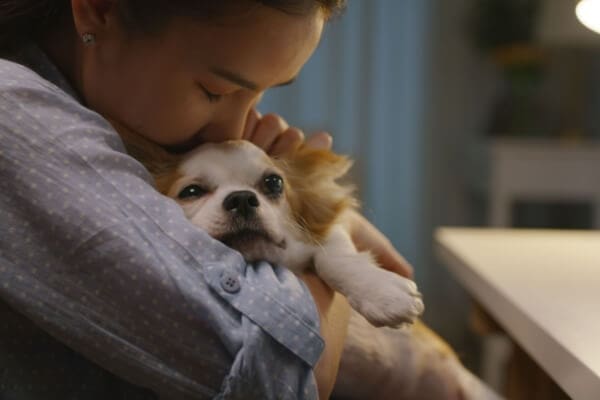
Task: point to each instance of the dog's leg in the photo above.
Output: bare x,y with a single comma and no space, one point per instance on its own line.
381,296
403,364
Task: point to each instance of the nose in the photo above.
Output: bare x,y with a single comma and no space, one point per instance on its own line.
241,202
229,122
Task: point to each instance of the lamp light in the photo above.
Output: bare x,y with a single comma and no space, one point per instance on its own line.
559,26
588,13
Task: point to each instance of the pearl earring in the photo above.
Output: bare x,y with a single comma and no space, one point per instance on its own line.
88,38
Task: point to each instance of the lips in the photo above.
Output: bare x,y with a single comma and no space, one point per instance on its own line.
245,237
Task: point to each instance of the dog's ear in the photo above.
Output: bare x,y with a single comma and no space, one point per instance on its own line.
316,196
161,164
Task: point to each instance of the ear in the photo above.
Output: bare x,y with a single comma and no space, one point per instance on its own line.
316,197
93,16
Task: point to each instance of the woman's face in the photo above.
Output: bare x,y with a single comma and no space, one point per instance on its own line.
195,82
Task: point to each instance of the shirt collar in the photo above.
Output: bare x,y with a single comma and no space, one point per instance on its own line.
35,58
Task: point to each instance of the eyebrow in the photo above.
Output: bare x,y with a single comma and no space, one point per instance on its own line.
240,81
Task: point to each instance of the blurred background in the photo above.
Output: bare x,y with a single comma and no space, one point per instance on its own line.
462,112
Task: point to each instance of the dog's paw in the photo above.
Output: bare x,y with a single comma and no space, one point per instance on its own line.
387,299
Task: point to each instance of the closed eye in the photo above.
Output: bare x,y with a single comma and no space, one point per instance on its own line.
212,97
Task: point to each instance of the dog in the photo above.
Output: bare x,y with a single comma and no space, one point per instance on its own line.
291,212
288,212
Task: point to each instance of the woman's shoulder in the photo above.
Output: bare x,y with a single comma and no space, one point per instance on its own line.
10,70
24,91
16,79
29,102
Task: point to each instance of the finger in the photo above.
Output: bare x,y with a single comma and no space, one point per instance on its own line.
390,259
384,253
267,130
368,238
287,143
320,140
251,120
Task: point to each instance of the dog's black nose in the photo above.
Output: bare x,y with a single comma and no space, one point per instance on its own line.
242,202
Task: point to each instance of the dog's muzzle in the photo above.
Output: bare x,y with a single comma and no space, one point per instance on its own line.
244,229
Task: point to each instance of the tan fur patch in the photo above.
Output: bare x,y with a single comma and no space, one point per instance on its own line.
426,334
316,197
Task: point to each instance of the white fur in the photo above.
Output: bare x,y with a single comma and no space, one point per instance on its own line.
382,297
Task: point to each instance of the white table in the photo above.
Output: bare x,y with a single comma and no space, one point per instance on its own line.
543,287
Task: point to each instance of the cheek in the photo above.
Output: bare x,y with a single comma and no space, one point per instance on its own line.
168,116
277,213
192,209
163,114
205,213
290,211
162,106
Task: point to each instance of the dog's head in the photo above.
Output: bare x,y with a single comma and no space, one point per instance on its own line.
237,194
251,202
256,204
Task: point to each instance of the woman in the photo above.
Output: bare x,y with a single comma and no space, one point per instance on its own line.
92,255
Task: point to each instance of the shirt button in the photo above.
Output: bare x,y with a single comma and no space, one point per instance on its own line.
230,282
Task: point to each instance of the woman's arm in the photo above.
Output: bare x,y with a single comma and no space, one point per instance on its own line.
367,237
334,312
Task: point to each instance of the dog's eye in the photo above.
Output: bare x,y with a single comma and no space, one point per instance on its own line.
191,191
274,184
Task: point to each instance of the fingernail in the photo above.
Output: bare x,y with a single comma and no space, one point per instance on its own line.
320,141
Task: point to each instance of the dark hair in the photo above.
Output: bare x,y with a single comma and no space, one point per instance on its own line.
25,20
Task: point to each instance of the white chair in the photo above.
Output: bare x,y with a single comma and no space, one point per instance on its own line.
543,171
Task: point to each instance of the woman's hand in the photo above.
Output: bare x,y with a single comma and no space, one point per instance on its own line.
276,137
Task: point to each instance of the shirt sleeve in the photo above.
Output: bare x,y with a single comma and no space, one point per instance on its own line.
91,253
